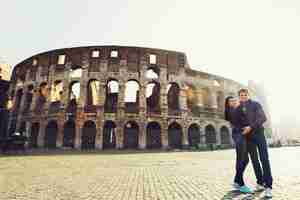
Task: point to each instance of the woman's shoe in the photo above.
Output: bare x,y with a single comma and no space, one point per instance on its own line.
245,189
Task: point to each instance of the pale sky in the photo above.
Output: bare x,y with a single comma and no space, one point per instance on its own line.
237,39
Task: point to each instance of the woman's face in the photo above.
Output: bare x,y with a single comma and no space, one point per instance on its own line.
233,103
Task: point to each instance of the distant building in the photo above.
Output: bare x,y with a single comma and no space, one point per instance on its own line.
5,71
4,86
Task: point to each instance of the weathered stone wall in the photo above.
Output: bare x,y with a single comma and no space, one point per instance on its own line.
201,95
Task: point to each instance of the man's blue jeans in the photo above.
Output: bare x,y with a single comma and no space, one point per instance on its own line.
257,137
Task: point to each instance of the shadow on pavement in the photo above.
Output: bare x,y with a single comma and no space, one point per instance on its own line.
235,194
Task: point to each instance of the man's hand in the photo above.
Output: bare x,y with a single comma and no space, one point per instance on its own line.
246,130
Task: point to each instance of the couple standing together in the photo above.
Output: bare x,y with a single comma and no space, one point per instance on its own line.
247,117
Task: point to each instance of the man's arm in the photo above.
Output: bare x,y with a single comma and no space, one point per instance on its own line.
259,118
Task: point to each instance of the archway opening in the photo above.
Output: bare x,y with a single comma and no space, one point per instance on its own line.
132,96
88,136
69,134
111,98
194,135
175,136
210,135
225,136
173,90
153,136
131,135
109,135
92,98
153,97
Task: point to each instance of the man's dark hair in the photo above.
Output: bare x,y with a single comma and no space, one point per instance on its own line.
243,90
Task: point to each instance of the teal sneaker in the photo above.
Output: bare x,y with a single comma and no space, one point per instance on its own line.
245,189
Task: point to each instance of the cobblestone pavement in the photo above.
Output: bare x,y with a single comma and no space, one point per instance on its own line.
140,175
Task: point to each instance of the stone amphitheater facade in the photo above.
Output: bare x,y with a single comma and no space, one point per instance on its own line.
84,98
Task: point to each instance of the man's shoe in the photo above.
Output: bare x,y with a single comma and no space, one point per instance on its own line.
236,186
268,193
245,189
259,188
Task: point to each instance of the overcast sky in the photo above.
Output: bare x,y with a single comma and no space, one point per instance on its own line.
237,39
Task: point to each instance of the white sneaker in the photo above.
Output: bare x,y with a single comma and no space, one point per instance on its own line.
236,186
259,188
268,193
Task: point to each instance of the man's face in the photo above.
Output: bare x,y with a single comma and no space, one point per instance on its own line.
244,96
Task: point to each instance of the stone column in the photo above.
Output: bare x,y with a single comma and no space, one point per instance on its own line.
83,88
60,132
66,86
164,134
119,135
185,142
218,136
213,99
78,132
99,135
142,135
41,136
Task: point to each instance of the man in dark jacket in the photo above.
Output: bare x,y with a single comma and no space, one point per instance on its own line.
252,118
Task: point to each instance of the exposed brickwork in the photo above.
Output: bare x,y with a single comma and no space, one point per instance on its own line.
131,63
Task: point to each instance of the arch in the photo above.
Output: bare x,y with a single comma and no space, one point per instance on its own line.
153,97
56,96
131,135
173,90
74,95
92,96
153,132
111,97
88,136
51,135
131,99
225,135
34,133
210,134
109,135
69,134
152,73
175,135
193,134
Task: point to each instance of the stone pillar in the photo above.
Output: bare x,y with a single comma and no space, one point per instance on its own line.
120,135
83,88
164,134
66,86
213,99
99,135
142,135
185,142
60,131
163,92
41,136
78,132
218,136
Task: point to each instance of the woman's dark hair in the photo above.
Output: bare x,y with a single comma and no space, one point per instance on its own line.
227,108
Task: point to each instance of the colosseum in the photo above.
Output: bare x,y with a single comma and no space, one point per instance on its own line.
117,97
